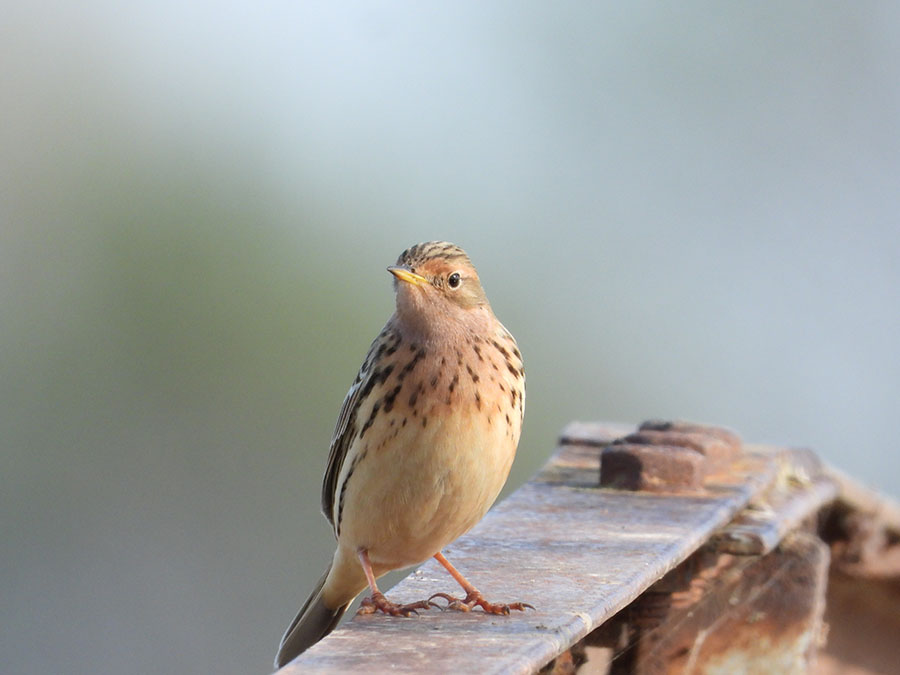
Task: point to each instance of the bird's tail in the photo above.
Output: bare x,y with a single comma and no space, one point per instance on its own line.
313,622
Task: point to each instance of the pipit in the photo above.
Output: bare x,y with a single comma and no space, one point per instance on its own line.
423,443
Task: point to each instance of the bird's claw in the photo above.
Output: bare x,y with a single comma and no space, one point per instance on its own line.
476,599
378,603
452,603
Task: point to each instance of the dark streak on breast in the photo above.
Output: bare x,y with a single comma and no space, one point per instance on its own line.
390,397
415,396
500,348
407,369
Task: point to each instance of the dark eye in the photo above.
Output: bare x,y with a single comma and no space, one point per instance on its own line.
454,280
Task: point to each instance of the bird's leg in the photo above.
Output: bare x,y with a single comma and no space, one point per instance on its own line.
473,595
377,601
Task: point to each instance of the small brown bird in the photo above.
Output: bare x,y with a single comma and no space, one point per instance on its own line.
423,443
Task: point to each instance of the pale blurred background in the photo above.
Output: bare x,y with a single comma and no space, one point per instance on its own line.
679,211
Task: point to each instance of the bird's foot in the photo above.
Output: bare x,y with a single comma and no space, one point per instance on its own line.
378,603
476,599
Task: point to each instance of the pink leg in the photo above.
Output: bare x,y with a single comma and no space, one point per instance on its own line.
377,601
473,595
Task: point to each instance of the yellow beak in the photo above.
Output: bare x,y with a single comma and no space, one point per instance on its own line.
409,277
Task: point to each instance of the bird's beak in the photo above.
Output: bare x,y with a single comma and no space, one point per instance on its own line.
403,274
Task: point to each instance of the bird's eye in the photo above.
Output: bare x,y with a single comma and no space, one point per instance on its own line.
454,280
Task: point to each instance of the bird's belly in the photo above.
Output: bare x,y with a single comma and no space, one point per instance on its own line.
435,482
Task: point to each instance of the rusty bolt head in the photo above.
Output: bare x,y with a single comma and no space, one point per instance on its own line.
664,456
726,436
713,448
656,468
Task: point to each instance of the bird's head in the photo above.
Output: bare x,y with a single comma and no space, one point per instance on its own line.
436,283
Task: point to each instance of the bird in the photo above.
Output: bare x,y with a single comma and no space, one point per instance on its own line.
423,443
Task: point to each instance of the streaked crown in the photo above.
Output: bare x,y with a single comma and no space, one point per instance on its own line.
420,254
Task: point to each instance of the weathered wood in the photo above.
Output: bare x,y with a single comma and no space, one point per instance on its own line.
799,493
863,618
864,530
733,614
576,552
863,605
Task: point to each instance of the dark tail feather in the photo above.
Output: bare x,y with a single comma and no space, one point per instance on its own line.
313,622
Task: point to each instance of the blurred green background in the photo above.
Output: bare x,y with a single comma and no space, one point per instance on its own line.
679,211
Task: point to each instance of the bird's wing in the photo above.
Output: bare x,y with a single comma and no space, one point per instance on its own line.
345,429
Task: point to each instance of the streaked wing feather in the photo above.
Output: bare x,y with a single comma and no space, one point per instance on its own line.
345,429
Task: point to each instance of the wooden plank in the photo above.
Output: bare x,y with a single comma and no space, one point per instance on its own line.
576,552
